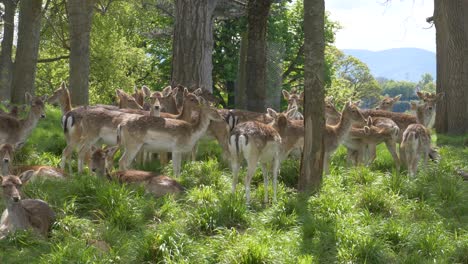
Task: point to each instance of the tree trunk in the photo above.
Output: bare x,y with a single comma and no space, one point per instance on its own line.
192,51
314,72
257,17
451,24
274,71
6,64
241,82
80,14
27,50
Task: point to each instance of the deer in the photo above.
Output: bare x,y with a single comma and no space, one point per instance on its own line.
376,131
6,157
294,100
256,143
13,130
416,142
386,104
102,164
140,95
24,214
127,101
290,130
162,134
335,134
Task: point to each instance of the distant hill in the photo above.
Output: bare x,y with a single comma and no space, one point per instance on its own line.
397,64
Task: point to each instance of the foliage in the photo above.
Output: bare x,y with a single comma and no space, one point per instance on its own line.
360,215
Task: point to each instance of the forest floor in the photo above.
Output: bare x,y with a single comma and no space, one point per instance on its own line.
360,215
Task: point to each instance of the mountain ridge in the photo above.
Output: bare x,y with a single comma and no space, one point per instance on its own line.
402,64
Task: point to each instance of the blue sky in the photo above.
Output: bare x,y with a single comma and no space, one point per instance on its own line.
378,25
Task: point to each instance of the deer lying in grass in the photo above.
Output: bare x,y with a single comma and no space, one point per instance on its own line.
386,104
336,134
158,185
296,101
23,214
13,130
257,143
162,134
6,156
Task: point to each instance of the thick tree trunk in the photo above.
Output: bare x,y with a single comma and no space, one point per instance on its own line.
275,53
240,89
257,17
451,24
80,14
192,51
6,64
27,50
314,72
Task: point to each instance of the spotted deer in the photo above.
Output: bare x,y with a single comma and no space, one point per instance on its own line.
24,214
294,100
386,104
416,142
162,134
15,131
335,134
256,143
158,185
290,130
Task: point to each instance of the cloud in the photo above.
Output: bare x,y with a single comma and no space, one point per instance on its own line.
378,25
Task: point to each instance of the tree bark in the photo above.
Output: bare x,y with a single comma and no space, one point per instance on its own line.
27,50
192,51
314,73
452,65
6,64
80,14
240,96
257,17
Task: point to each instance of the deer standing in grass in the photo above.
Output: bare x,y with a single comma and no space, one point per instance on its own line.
158,185
256,143
162,134
15,131
23,214
336,134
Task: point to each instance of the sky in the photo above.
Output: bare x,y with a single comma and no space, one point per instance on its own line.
377,25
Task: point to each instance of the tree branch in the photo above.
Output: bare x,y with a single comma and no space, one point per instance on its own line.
292,66
53,59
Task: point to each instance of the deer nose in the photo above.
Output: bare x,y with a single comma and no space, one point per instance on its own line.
93,169
6,160
16,199
430,107
42,115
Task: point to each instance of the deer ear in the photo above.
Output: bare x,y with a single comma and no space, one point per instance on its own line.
272,113
198,92
421,95
175,91
63,85
44,98
146,91
291,112
26,176
286,94
440,96
28,97
369,121
166,91
414,105
185,92
110,152
301,96
397,98
366,130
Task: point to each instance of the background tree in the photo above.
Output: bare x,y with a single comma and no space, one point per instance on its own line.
80,14
27,49
314,72
193,43
427,84
451,24
6,64
257,18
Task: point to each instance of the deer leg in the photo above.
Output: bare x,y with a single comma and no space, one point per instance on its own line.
163,158
176,162
235,172
265,181
194,152
372,151
392,149
251,168
128,156
276,170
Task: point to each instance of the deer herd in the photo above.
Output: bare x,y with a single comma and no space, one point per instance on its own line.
174,119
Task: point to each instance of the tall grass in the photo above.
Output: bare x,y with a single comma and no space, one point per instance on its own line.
360,215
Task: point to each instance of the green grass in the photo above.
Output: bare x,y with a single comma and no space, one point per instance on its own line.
360,215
